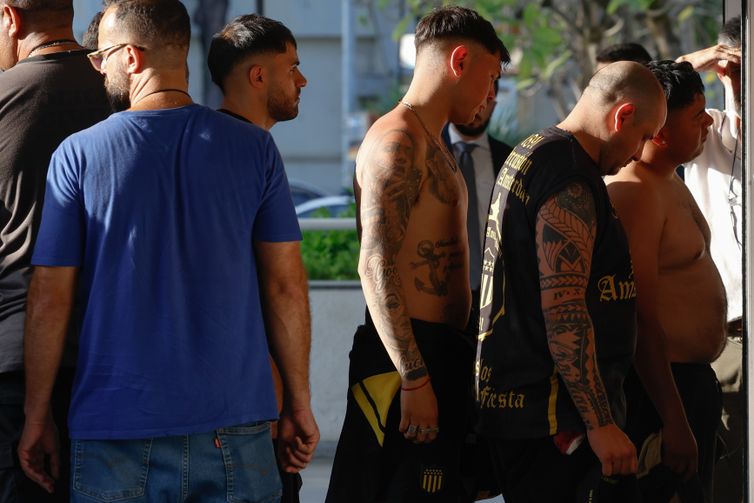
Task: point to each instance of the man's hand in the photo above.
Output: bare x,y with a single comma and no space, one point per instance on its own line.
419,416
38,444
713,58
679,452
614,450
298,436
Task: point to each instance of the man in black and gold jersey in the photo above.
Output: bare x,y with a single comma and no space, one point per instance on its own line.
557,310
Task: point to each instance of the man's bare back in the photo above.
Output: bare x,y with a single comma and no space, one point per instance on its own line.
423,189
690,294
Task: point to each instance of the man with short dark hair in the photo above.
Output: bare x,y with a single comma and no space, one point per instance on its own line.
410,366
715,180
681,299
47,92
254,61
629,51
558,314
174,225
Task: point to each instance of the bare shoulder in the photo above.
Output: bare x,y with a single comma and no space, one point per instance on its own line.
391,144
634,191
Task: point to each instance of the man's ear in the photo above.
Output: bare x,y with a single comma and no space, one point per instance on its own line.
459,59
257,75
134,59
661,140
622,114
11,21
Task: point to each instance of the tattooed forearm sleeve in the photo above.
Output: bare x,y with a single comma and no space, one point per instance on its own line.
566,227
390,185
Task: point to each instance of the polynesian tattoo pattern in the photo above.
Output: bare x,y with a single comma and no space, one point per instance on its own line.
566,228
390,187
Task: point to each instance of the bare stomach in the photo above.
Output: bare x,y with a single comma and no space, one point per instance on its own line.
692,308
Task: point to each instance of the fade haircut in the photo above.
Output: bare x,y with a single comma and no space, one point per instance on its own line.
448,23
154,22
51,13
245,36
629,51
730,34
680,82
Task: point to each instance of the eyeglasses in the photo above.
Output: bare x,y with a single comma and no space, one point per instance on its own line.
98,58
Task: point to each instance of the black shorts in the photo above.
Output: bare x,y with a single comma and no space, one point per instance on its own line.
702,400
373,461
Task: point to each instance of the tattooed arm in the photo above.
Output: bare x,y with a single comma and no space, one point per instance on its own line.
390,181
566,227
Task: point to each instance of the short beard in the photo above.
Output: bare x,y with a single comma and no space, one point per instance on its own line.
279,110
472,131
119,100
116,88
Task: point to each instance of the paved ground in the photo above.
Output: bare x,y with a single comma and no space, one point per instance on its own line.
317,476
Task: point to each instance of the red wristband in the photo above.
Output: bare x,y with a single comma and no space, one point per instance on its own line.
417,387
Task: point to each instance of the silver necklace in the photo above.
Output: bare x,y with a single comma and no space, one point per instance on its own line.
448,157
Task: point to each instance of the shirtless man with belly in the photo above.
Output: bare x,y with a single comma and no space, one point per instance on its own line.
680,296
410,366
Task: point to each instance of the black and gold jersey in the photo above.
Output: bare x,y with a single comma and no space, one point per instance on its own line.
519,392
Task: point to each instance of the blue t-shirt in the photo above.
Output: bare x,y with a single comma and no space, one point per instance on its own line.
159,210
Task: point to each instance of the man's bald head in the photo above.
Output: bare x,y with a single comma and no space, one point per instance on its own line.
626,81
621,109
155,24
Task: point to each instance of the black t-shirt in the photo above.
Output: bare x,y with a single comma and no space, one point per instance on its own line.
520,393
43,99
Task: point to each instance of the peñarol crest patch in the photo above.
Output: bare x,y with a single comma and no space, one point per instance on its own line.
432,480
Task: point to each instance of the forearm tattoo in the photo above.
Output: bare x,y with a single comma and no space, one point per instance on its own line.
566,228
390,186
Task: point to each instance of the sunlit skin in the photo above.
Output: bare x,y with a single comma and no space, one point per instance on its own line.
681,300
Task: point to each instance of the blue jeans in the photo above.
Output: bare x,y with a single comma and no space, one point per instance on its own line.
234,465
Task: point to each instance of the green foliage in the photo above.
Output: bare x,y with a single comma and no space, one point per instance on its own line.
554,42
331,255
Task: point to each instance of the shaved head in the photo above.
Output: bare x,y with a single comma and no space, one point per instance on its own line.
626,81
622,108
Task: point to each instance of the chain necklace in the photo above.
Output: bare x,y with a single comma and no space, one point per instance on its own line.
52,43
448,157
166,90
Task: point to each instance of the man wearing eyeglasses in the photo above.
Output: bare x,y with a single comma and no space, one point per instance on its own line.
714,178
48,91
174,225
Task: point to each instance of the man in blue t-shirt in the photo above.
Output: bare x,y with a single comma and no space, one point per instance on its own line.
172,227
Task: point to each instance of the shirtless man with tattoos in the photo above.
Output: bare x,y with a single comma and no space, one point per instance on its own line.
557,309
681,298
410,369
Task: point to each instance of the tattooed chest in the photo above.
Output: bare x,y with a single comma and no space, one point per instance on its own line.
443,178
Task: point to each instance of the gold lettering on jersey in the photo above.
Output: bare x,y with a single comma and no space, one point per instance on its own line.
532,141
491,399
483,372
518,162
613,290
512,184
